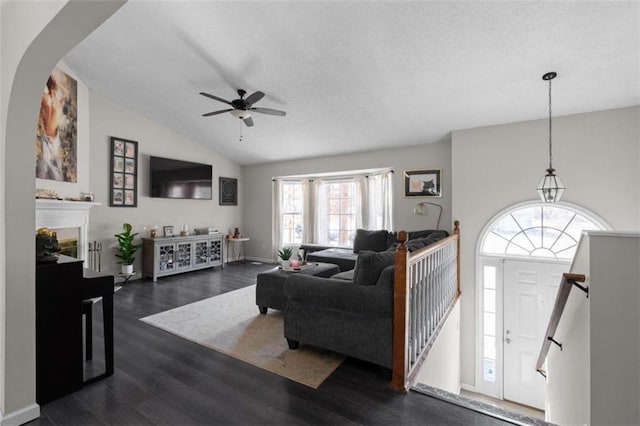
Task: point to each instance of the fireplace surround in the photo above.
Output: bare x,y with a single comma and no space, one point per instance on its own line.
62,214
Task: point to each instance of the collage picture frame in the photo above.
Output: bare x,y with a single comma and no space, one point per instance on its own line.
123,190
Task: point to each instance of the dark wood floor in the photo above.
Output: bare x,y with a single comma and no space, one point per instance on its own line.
163,379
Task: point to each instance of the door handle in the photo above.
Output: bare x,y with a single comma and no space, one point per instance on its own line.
507,340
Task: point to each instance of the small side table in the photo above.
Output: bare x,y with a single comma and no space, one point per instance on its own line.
237,248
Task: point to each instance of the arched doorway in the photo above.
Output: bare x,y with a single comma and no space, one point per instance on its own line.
37,37
521,255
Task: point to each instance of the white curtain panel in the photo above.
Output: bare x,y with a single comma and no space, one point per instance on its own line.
361,203
380,201
309,206
386,204
321,215
276,231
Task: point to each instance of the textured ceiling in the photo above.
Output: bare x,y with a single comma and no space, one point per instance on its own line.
355,75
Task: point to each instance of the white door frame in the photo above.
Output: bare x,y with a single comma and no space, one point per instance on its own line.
496,388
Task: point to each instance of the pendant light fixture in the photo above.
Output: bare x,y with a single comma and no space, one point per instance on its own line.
550,188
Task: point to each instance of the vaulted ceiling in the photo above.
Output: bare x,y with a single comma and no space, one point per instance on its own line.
356,75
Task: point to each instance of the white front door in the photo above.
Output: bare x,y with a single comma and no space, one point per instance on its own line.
530,289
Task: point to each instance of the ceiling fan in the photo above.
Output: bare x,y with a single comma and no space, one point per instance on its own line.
242,108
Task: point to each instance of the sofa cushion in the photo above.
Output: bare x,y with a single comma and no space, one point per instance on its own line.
369,266
346,275
370,240
418,243
412,235
344,258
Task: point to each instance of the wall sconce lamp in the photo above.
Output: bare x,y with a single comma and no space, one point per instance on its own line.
421,210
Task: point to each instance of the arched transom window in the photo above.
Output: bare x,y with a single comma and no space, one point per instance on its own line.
541,230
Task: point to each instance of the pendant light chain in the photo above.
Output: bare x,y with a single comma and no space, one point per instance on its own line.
550,188
550,128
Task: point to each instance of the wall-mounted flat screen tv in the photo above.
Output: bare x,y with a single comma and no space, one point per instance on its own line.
180,179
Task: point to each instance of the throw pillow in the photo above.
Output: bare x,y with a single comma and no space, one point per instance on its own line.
369,266
370,240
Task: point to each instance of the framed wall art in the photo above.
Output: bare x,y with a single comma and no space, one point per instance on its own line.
123,191
56,134
228,191
423,183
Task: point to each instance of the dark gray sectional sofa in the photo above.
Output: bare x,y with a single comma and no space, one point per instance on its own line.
352,312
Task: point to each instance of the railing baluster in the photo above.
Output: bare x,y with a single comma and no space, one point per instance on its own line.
430,290
420,313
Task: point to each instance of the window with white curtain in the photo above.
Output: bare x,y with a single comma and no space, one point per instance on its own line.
328,210
338,204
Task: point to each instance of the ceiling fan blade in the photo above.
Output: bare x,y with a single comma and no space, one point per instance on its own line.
269,111
216,98
248,121
209,114
255,97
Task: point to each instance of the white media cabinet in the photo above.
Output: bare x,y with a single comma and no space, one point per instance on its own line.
172,255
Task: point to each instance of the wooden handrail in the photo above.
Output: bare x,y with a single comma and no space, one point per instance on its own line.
567,282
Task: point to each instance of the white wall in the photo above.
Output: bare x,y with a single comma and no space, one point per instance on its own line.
35,35
108,118
257,186
614,302
595,154
441,367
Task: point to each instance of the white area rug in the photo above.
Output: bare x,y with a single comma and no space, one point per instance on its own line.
231,324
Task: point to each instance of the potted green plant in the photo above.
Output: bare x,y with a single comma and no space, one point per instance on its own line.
285,255
126,248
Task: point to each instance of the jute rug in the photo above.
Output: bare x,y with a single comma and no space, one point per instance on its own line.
231,324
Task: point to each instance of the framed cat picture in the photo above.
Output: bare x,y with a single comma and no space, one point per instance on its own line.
423,183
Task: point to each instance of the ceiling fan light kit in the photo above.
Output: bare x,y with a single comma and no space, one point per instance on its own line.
550,188
242,108
240,113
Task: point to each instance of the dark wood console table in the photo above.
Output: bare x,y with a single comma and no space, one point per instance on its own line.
61,287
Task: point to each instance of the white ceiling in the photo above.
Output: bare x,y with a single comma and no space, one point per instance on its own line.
356,75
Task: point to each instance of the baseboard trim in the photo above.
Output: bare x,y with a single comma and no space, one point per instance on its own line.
21,416
259,259
468,388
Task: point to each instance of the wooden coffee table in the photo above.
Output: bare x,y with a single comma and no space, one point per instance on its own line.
270,284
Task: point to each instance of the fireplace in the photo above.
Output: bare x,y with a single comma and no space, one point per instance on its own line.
67,240
70,219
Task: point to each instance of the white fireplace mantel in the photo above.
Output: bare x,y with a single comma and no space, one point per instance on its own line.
57,214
